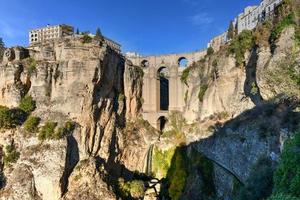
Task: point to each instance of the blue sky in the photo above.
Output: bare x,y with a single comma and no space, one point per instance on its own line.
145,26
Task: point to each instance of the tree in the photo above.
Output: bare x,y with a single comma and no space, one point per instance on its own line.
98,34
231,31
2,48
77,31
210,51
2,45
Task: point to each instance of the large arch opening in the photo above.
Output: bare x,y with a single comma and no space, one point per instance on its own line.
145,63
182,62
163,78
162,123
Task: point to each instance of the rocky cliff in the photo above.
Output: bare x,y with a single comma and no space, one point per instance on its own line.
71,124
87,84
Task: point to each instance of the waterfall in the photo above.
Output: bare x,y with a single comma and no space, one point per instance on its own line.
148,167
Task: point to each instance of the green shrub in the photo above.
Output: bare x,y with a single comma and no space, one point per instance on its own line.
161,161
280,196
185,75
10,118
285,22
27,104
121,97
47,131
11,155
177,175
202,92
86,39
31,124
254,89
210,51
240,44
31,65
67,129
7,119
134,189
287,176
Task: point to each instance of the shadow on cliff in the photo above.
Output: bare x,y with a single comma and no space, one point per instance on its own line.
251,88
192,172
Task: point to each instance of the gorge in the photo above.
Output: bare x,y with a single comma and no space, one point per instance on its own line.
80,120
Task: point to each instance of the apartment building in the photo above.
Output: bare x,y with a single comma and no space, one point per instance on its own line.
49,33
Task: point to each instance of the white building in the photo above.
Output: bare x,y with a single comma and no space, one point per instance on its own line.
218,41
49,33
253,15
248,20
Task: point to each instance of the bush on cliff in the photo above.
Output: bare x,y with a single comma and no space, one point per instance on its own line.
10,118
31,124
86,39
67,129
11,154
132,189
287,176
202,92
27,104
177,175
47,131
240,44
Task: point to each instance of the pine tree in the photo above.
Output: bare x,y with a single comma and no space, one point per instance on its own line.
231,31
98,34
2,45
2,48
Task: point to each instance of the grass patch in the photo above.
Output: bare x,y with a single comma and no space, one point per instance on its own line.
31,124
287,176
27,104
67,129
202,92
284,23
47,131
161,161
10,118
11,155
240,44
132,189
185,75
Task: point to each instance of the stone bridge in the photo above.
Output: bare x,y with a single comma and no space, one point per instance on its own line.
163,90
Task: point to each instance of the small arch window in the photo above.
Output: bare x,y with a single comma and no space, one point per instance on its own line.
182,62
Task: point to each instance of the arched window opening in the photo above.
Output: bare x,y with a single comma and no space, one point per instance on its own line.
162,123
145,63
163,78
182,62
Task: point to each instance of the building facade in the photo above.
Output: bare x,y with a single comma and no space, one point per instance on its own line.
50,33
247,20
218,41
253,15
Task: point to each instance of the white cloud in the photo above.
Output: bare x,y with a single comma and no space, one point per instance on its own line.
201,19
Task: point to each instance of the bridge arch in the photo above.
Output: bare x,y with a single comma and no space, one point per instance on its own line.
163,88
182,62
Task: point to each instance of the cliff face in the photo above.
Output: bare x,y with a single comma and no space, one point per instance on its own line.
82,136
245,113
69,81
